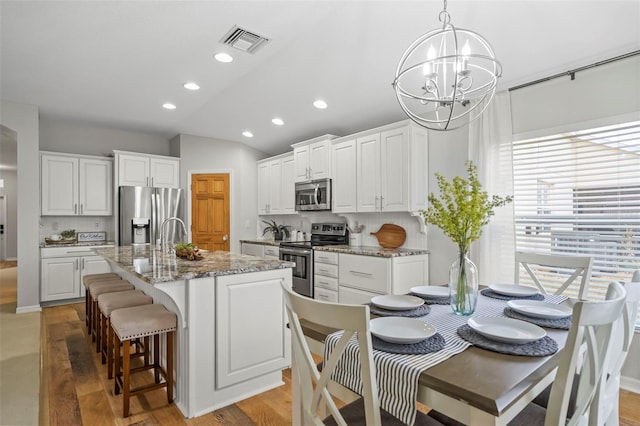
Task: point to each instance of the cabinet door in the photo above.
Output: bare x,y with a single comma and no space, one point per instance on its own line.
301,160
59,185
133,170
368,173
238,298
320,160
264,188
60,278
287,187
343,165
394,170
367,273
95,187
352,296
164,172
275,177
92,265
253,249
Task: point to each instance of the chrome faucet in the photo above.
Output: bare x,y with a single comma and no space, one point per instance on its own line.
162,227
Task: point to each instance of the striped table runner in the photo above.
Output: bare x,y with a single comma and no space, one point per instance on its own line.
396,374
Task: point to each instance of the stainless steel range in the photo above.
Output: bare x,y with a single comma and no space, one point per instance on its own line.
301,253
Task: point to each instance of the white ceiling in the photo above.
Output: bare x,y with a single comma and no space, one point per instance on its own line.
114,63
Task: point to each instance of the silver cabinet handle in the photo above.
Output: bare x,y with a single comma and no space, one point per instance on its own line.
82,262
75,264
361,273
381,198
147,180
153,181
75,208
81,208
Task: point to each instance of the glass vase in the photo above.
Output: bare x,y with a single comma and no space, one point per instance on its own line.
463,285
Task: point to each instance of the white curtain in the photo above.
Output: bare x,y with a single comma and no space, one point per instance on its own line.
490,148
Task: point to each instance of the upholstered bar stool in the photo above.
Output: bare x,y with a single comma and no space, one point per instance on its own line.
88,279
133,323
108,303
96,290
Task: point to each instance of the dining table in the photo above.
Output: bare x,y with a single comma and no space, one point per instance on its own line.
474,386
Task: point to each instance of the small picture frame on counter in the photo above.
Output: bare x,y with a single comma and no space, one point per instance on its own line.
84,237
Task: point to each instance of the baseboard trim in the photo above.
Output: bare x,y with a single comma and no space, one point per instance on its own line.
28,309
630,384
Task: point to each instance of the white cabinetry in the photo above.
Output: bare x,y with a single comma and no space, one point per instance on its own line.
276,191
261,250
313,158
62,270
343,170
385,168
325,280
238,300
73,185
147,170
362,277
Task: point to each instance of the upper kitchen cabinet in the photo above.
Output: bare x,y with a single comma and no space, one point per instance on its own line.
383,169
75,185
276,190
312,158
147,170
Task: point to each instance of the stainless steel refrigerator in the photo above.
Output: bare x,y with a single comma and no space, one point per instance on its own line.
142,211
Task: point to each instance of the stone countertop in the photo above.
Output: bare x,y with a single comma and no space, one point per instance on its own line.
266,242
154,267
77,244
372,251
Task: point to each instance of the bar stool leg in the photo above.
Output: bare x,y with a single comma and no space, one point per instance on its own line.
156,357
117,361
126,369
169,371
110,352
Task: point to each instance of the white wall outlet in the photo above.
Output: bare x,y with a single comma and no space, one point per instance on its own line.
97,225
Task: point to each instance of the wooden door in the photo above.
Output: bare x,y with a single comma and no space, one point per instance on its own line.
210,211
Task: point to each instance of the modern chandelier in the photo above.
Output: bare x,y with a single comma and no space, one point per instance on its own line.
447,77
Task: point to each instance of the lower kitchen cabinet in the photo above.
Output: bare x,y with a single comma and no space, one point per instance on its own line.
260,250
362,277
62,270
325,280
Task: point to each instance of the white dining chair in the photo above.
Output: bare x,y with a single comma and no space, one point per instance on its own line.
605,410
313,383
591,326
536,263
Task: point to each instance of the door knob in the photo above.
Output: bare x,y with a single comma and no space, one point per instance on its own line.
225,237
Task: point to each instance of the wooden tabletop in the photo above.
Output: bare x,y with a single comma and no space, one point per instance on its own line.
487,380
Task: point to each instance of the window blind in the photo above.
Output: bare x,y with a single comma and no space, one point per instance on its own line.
579,193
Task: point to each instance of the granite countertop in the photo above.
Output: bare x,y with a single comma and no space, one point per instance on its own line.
78,244
264,242
372,251
153,266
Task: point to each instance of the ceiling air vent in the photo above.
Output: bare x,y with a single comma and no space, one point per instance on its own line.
244,40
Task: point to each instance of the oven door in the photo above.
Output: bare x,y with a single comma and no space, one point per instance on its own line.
303,271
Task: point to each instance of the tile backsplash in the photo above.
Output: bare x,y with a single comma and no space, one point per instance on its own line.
371,221
50,225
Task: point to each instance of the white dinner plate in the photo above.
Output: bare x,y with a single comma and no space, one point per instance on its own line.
514,290
506,329
401,330
539,309
431,291
397,302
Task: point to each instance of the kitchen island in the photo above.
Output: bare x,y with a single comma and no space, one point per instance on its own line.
232,340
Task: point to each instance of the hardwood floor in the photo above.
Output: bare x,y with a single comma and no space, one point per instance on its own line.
76,390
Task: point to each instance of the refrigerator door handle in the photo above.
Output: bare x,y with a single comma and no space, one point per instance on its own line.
154,218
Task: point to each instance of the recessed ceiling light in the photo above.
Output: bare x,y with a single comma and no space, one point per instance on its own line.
191,86
247,134
223,57
277,121
320,104
168,105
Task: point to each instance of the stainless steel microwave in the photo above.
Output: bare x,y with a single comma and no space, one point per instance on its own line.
313,195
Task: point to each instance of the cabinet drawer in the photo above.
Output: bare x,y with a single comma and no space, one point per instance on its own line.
326,282
271,251
354,297
326,295
326,270
48,252
365,272
325,257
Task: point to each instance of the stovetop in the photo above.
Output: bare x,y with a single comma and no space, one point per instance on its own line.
323,234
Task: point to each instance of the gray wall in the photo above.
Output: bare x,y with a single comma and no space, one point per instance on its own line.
205,155
75,137
10,192
23,119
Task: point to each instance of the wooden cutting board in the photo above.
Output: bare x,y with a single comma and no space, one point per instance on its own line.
390,235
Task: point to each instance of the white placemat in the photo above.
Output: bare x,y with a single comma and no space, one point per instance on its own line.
396,374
